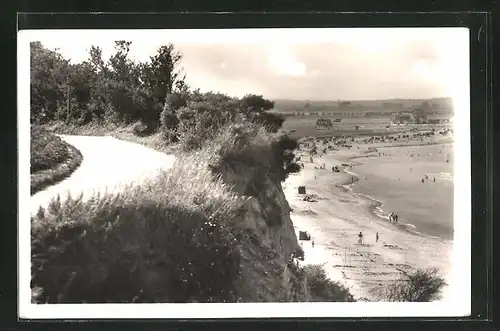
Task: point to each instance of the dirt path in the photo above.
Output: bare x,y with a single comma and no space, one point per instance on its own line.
108,164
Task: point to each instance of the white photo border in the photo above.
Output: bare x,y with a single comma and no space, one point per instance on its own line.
458,90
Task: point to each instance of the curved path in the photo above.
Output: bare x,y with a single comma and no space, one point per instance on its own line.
108,163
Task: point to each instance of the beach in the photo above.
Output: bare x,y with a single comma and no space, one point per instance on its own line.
337,210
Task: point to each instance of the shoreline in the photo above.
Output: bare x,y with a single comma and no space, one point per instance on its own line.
375,204
339,214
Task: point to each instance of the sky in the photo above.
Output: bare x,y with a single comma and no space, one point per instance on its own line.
299,64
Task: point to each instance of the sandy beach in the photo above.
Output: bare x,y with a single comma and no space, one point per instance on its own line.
335,214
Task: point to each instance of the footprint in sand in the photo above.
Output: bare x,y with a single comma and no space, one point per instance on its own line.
391,246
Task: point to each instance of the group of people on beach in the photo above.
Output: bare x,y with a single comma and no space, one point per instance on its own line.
427,178
393,217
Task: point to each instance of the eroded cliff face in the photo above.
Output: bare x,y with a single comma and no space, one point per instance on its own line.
269,239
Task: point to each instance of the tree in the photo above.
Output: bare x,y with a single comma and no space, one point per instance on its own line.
256,103
95,59
162,73
48,82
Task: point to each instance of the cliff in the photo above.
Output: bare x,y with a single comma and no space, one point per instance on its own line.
268,238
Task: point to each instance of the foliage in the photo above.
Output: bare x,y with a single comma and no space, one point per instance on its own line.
324,289
47,150
310,284
49,71
52,159
421,285
168,240
118,90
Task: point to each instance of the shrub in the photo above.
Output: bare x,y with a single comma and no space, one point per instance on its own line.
272,122
47,150
298,254
310,283
294,285
168,119
422,285
44,178
169,240
142,130
324,289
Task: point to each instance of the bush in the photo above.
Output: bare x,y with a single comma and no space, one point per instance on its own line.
310,283
142,130
47,150
294,285
322,288
422,285
44,178
168,240
168,118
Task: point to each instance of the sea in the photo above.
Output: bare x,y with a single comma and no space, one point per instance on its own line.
416,182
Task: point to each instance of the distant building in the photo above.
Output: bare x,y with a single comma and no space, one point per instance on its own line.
324,123
402,118
420,116
416,116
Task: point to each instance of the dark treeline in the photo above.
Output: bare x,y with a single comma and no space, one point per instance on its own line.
121,91
117,90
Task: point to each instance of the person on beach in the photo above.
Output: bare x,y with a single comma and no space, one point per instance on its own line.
434,179
360,238
422,180
312,244
376,237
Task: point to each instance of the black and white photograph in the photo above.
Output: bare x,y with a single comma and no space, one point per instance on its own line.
239,173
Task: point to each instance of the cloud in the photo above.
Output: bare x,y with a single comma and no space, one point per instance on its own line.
283,62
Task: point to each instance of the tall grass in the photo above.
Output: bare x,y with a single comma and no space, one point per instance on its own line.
181,237
168,240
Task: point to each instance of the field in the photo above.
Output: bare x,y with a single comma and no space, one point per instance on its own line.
439,105
305,126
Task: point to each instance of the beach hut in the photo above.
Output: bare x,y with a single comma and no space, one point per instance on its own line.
303,235
324,123
302,190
